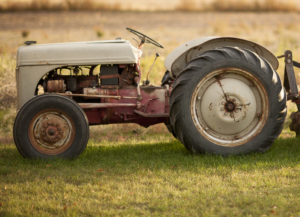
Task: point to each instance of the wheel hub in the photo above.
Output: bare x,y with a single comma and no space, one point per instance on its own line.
228,107
51,132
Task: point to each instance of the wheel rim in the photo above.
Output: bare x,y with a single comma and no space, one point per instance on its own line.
229,107
51,131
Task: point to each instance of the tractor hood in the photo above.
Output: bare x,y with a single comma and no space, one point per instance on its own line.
78,53
177,59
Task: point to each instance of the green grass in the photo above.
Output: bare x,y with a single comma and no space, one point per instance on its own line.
152,175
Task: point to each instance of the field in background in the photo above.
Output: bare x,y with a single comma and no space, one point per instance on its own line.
150,5
138,171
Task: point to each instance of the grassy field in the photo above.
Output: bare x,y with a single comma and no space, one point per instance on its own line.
137,171
143,176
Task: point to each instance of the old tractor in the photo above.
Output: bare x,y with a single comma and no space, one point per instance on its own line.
219,95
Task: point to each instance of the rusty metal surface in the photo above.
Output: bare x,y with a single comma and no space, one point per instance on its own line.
150,109
151,115
295,125
105,105
290,82
56,86
109,76
86,81
88,95
128,76
127,102
51,131
297,101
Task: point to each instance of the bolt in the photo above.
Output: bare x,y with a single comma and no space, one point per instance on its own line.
229,106
51,132
258,115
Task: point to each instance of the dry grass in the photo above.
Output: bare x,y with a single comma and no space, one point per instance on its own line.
255,5
7,82
64,5
143,5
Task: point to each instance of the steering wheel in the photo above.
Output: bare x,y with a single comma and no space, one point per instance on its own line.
144,38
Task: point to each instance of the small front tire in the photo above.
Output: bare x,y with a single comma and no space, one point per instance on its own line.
51,126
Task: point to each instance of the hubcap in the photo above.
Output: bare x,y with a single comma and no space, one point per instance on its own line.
51,132
229,107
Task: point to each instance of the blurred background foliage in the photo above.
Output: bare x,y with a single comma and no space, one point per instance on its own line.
151,5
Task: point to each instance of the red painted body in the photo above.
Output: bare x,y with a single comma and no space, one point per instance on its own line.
148,108
119,100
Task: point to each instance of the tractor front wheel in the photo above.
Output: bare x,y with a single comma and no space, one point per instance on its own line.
50,126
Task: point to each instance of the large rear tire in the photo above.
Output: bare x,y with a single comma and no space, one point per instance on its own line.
51,126
228,101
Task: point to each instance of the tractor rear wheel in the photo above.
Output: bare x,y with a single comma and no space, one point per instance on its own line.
50,126
228,101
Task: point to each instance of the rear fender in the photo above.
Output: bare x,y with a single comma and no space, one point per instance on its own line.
178,59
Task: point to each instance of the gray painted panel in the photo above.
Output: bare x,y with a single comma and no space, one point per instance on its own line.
177,60
78,53
27,79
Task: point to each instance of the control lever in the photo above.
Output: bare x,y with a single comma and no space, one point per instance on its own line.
147,82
